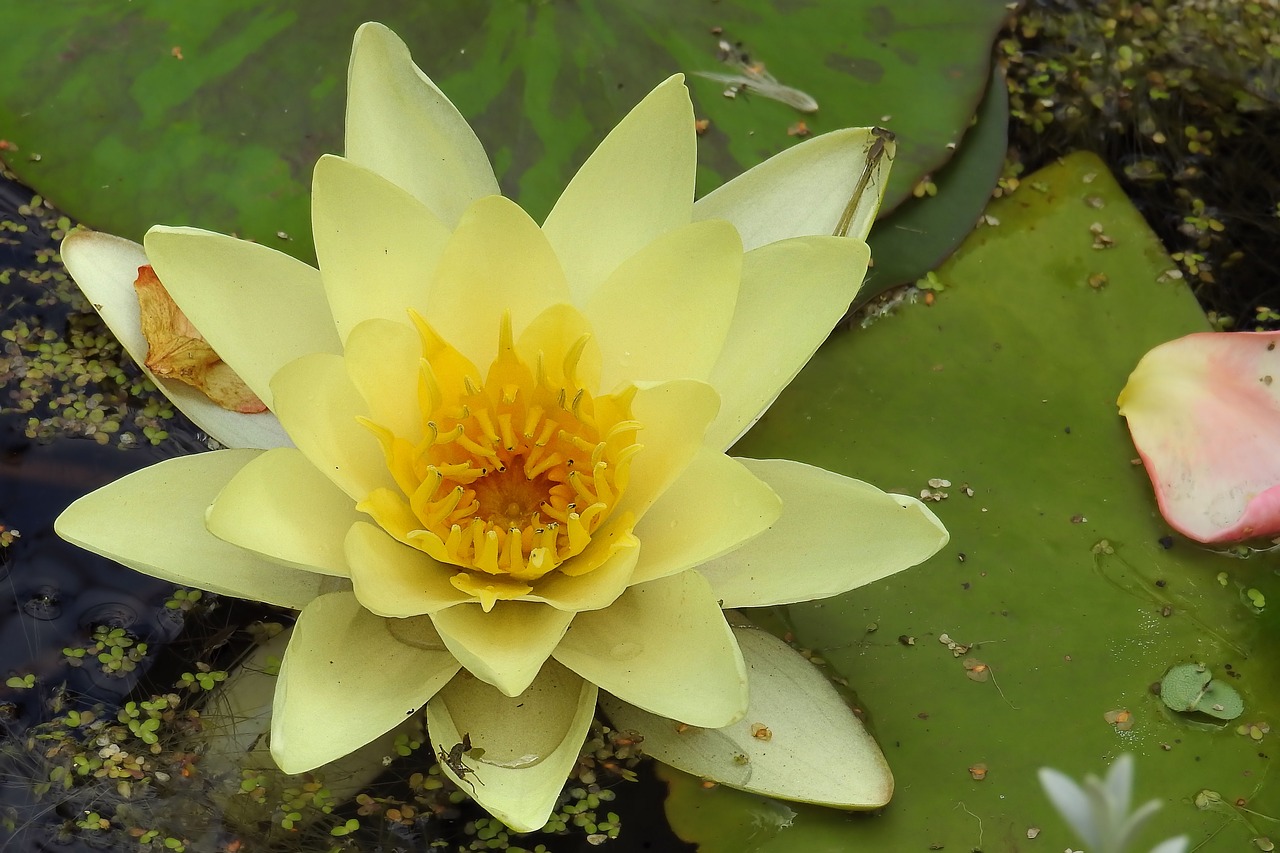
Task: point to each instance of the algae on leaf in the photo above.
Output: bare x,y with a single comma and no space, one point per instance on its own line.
99,103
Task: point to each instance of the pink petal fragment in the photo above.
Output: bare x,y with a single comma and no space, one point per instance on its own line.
1204,412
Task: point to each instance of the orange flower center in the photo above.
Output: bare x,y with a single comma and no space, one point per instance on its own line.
514,474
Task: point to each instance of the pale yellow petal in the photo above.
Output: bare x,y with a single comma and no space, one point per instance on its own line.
673,417
531,742
383,359
637,185
615,553
551,337
377,245
665,312
664,646
805,190
817,750
346,679
153,522
318,404
392,579
281,507
506,646
497,261
400,125
715,506
258,308
835,534
792,294
105,268
391,512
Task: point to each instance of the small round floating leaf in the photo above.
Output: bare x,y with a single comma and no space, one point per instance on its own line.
1221,700
1183,687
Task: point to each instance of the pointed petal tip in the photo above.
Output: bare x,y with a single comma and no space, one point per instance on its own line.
816,749
551,720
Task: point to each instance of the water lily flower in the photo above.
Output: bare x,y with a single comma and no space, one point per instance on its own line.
493,475
1204,413
1098,810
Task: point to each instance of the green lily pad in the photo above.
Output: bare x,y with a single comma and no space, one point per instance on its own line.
213,113
922,232
1191,688
1057,577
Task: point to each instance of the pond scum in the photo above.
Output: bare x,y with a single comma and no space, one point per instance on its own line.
1182,99
142,776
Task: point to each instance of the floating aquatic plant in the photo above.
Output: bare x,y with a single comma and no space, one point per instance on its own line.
493,476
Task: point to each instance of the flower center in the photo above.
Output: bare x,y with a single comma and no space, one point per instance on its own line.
514,474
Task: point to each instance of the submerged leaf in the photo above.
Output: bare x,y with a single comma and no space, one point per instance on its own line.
177,350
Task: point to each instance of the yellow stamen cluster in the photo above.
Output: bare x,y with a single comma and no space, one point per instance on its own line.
514,474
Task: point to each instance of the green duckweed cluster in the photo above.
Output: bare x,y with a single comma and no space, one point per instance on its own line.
1181,97
60,367
136,776
114,649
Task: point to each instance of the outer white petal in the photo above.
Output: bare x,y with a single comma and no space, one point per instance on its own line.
835,534
258,308
1072,803
105,268
818,751
400,125
1119,786
804,191
531,741
153,522
347,678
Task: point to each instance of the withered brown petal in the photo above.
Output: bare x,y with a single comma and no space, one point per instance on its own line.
177,350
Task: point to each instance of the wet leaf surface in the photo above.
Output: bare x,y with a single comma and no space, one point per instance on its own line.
1060,575
213,114
922,232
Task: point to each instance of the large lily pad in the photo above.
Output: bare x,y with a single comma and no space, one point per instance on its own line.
213,113
1061,577
922,232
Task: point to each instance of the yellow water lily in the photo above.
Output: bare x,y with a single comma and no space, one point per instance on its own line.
493,475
